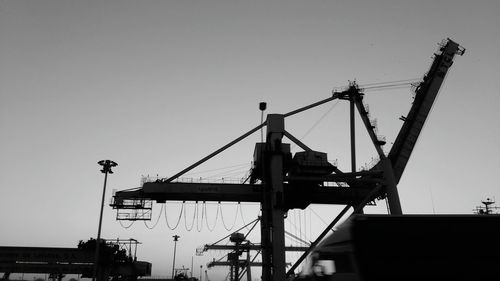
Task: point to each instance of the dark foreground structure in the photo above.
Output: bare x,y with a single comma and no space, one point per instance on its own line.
115,263
410,247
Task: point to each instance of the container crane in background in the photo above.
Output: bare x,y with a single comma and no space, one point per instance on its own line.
280,181
240,246
488,207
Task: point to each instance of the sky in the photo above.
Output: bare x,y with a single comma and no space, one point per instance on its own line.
157,85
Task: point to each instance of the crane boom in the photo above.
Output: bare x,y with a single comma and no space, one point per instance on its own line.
426,94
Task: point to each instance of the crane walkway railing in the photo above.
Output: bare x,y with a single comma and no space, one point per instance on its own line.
195,180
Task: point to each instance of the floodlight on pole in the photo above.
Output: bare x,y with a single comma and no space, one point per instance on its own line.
176,238
262,107
106,169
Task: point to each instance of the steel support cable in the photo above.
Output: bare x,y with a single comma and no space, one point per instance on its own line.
305,225
247,178
198,228
157,219
299,230
387,86
126,227
289,220
253,226
303,235
245,225
222,257
185,220
241,215
197,215
319,120
229,172
147,226
216,169
220,251
296,239
310,225
334,96
246,268
295,227
296,141
216,217
178,220
227,236
234,221
358,207
320,237
295,222
385,89
392,82
300,224
203,160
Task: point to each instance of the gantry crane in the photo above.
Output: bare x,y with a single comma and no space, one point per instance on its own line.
240,245
280,181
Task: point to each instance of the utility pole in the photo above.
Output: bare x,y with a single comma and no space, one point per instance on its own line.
106,169
176,238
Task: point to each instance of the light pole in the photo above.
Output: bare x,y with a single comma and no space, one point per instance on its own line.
262,107
201,266
192,268
176,238
106,169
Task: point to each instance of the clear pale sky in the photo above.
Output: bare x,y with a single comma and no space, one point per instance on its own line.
156,85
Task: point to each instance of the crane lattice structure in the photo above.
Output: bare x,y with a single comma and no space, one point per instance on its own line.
488,207
240,245
280,181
